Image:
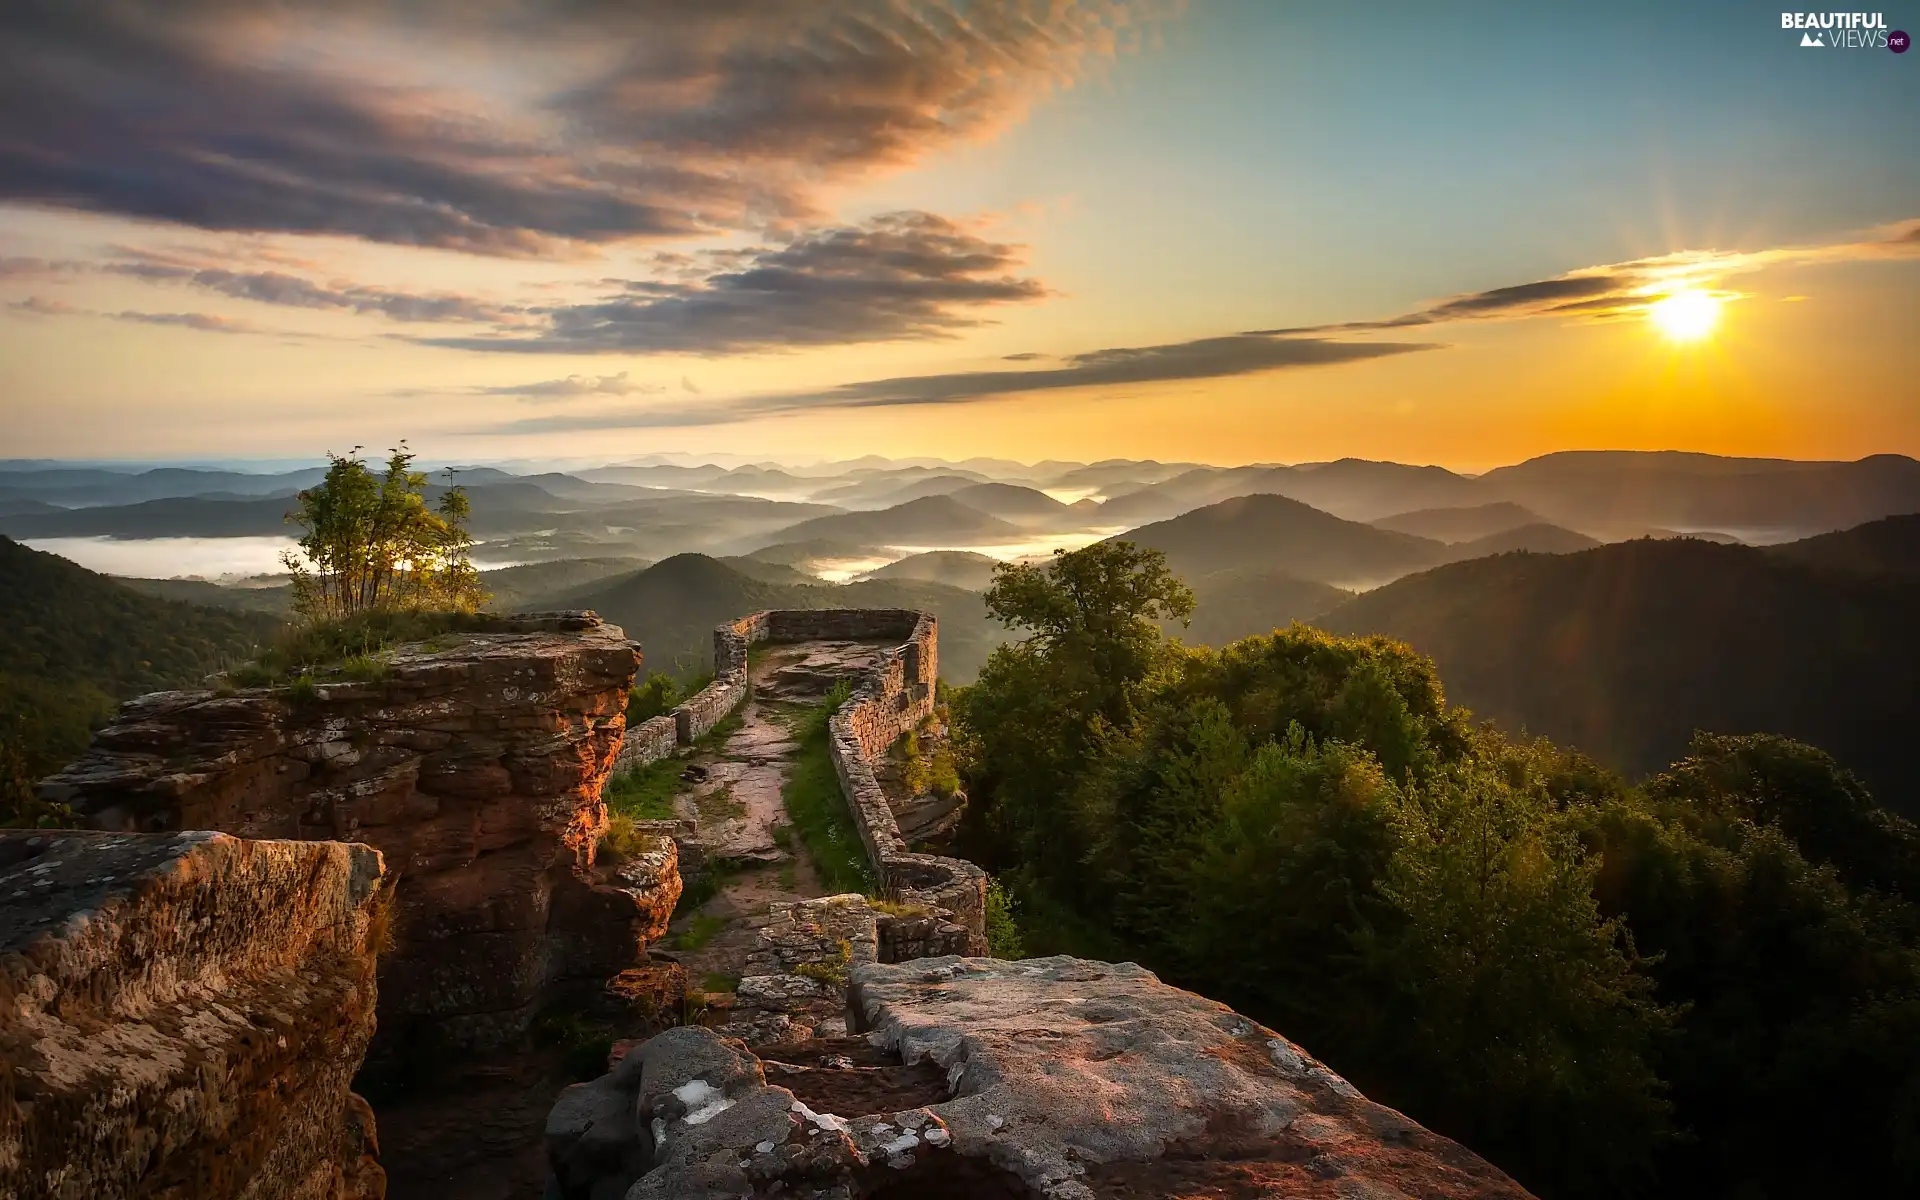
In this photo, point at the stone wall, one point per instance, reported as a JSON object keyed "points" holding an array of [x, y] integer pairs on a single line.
{"points": [[649, 741], [475, 765], [708, 707], [889, 700], [183, 1015]]}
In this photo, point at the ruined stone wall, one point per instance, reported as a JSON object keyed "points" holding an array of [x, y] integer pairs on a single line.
{"points": [[183, 1014], [886, 702], [647, 742], [475, 765]]}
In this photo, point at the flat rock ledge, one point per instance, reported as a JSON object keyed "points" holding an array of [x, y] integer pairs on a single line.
{"points": [[1063, 1078], [181, 1016]]}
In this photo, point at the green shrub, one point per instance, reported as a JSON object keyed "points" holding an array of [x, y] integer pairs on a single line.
{"points": [[1003, 931]]}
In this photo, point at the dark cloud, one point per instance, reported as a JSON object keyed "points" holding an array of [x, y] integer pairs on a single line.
{"points": [[1527, 298], [898, 276], [278, 287], [603, 121], [1205, 358]]}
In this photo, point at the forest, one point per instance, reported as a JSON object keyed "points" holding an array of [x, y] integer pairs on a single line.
{"points": [[1707, 984]]}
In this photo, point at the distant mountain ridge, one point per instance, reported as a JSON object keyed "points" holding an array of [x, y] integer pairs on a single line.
{"points": [[1275, 532], [1624, 650]]}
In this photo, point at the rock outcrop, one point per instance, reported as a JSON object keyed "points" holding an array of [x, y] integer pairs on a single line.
{"points": [[474, 762], [181, 1015], [1054, 1077]]}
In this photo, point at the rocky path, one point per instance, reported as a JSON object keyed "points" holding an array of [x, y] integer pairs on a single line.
{"points": [[477, 1134], [742, 830]]}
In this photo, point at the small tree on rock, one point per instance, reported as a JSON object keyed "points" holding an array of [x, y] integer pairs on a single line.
{"points": [[374, 544]]}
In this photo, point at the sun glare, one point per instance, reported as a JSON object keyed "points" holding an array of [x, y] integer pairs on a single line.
{"points": [[1686, 316]]}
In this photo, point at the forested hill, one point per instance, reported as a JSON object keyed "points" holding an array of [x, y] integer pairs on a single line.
{"points": [[1624, 650], [73, 644]]}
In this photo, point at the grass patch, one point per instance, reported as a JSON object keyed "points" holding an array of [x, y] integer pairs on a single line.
{"points": [[646, 792], [894, 908], [818, 809], [353, 647], [717, 982], [719, 804], [926, 761], [700, 929], [623, 840]]}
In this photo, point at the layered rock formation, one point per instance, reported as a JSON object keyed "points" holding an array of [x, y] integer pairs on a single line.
{"points": [[181, 1015], [1054, 1077], [474, 762]]}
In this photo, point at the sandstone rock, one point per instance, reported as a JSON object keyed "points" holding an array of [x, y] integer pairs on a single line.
{"points": [[1073, 1074], [475, 765], [1063, 1078], [181, 1015]]}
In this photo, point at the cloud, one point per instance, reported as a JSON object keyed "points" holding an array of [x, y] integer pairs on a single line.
{"points": [[43, 307], [1608, 292], [513, 127], [293, 291], [1626, 289], [1203, 358], [204, 322], [907, 275], [573, 386]]}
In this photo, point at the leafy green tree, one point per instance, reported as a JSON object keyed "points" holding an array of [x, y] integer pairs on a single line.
{"points": [[1284, 883], [1791, 986], [1827, 812], [373, 544], [1514, 1011], [1091, 614], [1150, 804], [1030, 724]]}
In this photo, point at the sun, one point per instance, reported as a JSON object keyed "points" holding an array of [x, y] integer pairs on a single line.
{"points": [[1686, 316]]}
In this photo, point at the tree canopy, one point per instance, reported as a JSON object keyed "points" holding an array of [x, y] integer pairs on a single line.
{"points": [[1608, 990]]}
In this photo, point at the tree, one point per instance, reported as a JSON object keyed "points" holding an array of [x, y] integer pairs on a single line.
{"points": [[1091, 613], [372, 543], [1029, 725]]}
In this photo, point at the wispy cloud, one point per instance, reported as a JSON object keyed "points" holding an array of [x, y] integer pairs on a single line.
{"points": [[204, 322], [907, 275], [1627, 289], [1204, 358], [597, 123], [573, 387]]}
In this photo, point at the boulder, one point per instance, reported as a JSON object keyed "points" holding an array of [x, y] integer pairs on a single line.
{"points": [[181, 1015]]}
